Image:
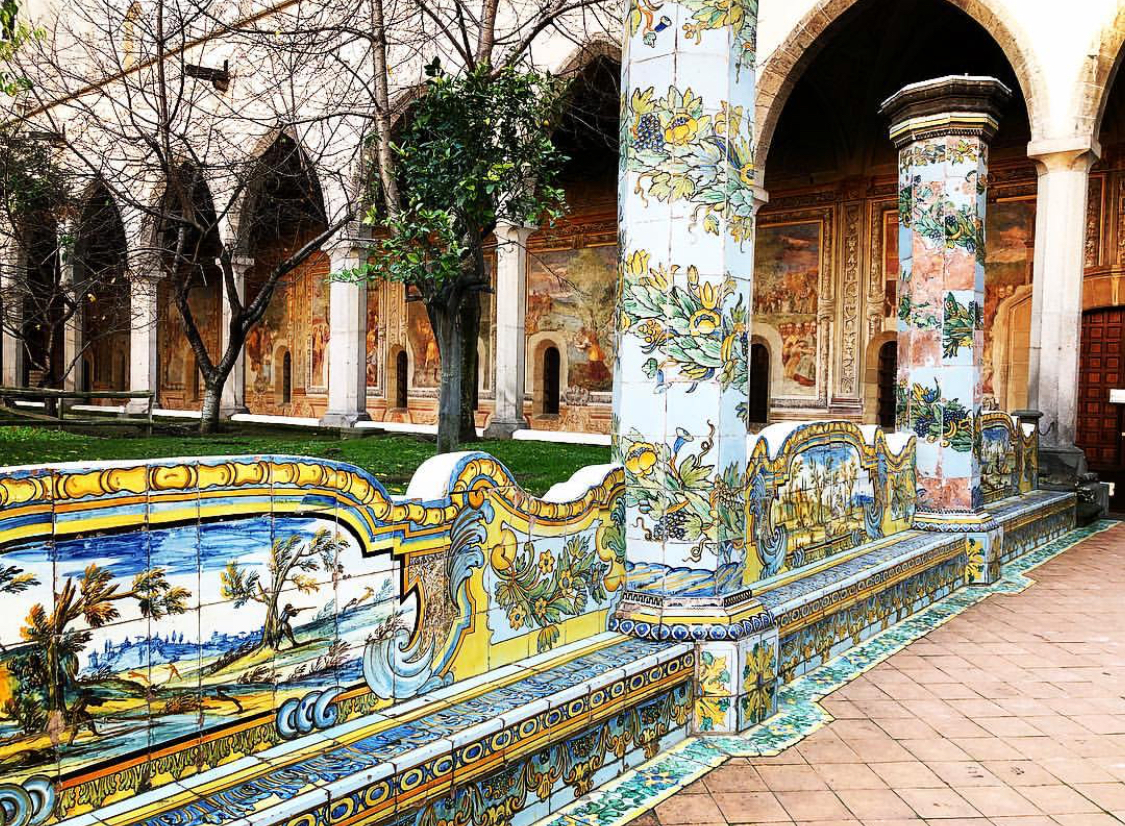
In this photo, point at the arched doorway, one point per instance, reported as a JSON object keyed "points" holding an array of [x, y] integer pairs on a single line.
{"points": [[552, 368], [200, 285], [286, 378], [759, 383], [402, 377], [1103, 369], [284, 209], [101, 276], [888, 370]]}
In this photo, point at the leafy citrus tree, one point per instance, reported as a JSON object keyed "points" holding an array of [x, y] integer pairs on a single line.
{"points": [[474, 149]]}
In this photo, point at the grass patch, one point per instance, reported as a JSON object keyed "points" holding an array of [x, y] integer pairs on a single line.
{"points": [[390, 458]]}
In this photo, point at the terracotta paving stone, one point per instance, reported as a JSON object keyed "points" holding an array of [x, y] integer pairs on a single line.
{"points": [[813, 805], [937, 803], [1010, 714]]}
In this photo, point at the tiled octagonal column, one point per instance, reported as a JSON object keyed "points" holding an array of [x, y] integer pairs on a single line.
{"points": [[687, 204], [941, 128]]}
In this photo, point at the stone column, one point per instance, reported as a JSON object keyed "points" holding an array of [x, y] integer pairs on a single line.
{"points": [[687, 203], [72, 332], [347, 345], [941, 128], [234, 391], [1056, 302], [143, 339], [12, 346], [511, 333]]}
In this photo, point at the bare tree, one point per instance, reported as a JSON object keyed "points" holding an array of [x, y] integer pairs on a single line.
{"points": [[415, 48], [213, 142]]}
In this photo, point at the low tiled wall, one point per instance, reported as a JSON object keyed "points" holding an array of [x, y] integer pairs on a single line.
{"points": [[167, 618]]}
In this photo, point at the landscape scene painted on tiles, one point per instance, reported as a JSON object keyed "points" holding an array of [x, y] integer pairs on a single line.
{"points": [[156, 636]]}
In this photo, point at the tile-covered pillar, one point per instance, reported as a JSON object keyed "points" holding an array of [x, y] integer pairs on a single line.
{"points": [[511, 332], [941, 129], [347, 344], [687, 202], [234, 390]]}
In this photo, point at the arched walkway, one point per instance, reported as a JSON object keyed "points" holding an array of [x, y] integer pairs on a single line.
{"points": [[785, 66]]}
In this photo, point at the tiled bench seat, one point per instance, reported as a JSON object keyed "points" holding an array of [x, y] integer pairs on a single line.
{"points": [[823, 612], [1033, 519], [524, 740]]}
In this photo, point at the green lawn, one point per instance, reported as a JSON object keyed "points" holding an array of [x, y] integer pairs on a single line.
{"points": [[392, 459]]}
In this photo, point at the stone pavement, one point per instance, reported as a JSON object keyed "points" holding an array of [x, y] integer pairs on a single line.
{"points": [[1012, 713]]}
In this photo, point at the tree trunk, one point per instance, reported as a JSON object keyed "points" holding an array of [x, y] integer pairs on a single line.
{"points": [[446, 320], [470, 332], [212, 403]]}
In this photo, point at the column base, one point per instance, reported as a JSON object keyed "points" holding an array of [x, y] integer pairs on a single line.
{"points": [[503, 429], [336, 419], [226, 412], [672, 618], [1061, 466], [984, 541], [135, 407]]}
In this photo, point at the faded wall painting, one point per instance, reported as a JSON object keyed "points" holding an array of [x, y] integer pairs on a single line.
{"points": [[425, 357], [293, 331], [787, 269], [1009, 253], [178, 378], [373, 330], [571, 294]]}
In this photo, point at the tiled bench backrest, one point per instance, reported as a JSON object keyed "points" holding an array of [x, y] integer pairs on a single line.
{"points": [[816, 489], [164, 618]]}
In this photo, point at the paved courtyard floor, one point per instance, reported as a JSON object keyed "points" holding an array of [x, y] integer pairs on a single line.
{"points": [[1012, 713]]}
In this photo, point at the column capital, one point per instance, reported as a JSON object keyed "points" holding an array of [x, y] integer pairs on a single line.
{"points": [[510, 231], [952, 105], [1064, 154], [241, 263]]}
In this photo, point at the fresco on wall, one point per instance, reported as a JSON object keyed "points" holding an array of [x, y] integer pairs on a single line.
{"points": [[178, 384], [571, 293], [296, 322], [1009, 253], [373, 330], [786, 283], [425, 357]]}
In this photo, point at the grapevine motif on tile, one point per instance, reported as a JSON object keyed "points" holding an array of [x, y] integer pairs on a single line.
{"points": [[681, 498], [937, 419], [680, 152], [962, 322]]}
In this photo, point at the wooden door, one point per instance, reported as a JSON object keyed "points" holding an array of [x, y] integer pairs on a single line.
{"points": [[1099, 426]]}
